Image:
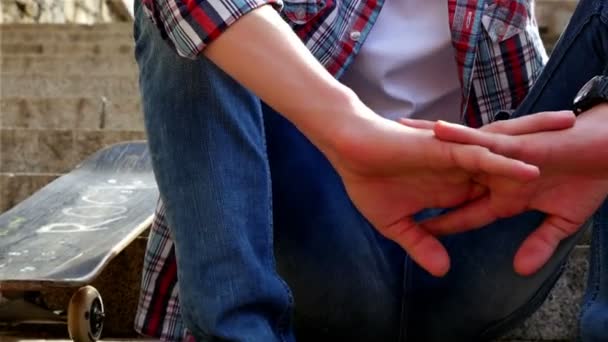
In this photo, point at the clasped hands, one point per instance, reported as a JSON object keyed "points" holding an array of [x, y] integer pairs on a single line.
{"points": [[498, 171]]}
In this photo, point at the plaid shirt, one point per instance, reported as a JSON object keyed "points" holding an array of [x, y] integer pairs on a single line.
{"points": [[497, 48]]}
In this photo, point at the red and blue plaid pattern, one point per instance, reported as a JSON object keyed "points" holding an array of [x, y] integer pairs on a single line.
{"points": [[190, 25], [496, 42], [158, 312], [497, 48]]}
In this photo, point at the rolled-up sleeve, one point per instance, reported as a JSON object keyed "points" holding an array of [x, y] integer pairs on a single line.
{"points": [[190, 25]]}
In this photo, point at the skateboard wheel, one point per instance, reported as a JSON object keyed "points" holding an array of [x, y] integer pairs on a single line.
{"points": [[85, 315]]}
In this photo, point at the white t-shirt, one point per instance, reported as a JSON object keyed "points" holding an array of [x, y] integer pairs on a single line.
{"points": [[406, 66]]}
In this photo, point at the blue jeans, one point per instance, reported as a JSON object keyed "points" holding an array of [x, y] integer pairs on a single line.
{"points": [[270, 248]]}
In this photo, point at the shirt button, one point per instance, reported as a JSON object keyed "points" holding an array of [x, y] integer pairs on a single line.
{"points": [[355, 35], [501, 29], [300, 14]]}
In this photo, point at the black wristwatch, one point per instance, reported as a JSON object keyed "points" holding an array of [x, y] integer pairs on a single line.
{"points": [[592, 93]]}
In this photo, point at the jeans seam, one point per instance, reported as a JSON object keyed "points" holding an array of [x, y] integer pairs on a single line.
{"points": [[601, 10], [597, 269], [282, 326], [407, 265], [593, 285]]}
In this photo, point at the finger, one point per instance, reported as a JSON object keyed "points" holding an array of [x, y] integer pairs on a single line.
{"points": [[477, 159], [471, 216], [539, 246], [465, 135], [476, 192], [540, 122], [422, 247], [415, 123]]}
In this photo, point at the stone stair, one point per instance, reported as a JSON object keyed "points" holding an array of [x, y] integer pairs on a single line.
{"points": [[67, 91], [552, 17]]}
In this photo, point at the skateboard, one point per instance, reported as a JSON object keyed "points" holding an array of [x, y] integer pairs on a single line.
{"points": [[66, 233]]}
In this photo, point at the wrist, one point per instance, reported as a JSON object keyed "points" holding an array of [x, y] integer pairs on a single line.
{"points": [[582, 149], [334, 120], [597, 110]]}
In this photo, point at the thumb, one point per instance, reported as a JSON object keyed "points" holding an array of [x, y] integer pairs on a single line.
{"points": [[539, 246], [424, 248]]}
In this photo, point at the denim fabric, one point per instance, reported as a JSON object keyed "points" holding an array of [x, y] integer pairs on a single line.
{"points": [[242, 187], [207, 143], [582, 52]]}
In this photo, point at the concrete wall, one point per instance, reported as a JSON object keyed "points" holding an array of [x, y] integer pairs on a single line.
{"points": [[65, 91], [552, 17], [64, 11]]}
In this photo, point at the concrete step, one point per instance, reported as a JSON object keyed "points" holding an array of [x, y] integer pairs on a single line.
{"points": [[90, 113], [14, 188], [53, 150], [553, 15], [74, 34], [46, 28], [72, 49], [37, 86], [93, 65]]}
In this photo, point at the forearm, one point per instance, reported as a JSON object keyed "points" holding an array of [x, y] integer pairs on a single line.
{"points": [[262, 53]]}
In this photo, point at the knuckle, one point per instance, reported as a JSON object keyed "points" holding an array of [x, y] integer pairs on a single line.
{"points": [[396, 230]]}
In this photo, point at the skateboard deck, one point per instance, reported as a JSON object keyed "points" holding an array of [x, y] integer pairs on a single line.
{"points": [[68, 231]]}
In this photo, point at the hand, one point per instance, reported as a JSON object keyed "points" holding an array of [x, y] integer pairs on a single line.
{"points": [[381, 163], [392, 172], [567, 197]]}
